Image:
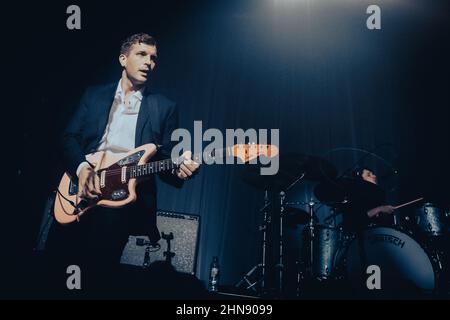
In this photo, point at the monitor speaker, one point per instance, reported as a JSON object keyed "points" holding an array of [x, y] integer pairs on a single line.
{"points": [[178, 244]]}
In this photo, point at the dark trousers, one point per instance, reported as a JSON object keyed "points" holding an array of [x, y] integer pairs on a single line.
{"points": [[95, 244]]}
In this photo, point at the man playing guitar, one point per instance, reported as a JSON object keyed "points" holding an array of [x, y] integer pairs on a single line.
{"points": [[115, 119]]}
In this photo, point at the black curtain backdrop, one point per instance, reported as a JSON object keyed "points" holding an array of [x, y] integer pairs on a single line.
{"points": [[309, 68]]}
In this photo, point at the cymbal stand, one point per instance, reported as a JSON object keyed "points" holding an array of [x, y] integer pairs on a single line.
{"points": [[280, 264], [311, 205], [263, 229], [249, 283]]}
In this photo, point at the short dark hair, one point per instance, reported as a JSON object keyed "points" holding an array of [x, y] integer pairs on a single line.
{"points": [[136, 38], [360, 170]]}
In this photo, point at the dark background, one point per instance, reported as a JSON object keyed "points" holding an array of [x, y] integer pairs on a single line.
{"points": [[310, 68]]}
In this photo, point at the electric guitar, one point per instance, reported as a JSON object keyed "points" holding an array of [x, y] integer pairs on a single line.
{"points": [[120, 174]]}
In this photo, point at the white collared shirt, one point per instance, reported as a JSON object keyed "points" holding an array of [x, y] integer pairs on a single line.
{"points": [[120, 131]]}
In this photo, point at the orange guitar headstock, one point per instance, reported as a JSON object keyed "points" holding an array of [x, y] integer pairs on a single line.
{"points": [[248, 152]]}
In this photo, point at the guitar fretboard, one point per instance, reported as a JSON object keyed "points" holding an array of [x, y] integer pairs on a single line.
{"points": [[170, 164]]}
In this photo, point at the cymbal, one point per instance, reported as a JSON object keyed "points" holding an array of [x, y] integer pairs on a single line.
{"points": [[291, 167], [315, 168], [339, 190]]}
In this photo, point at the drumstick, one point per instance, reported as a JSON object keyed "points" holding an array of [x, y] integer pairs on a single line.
{"points": [[408, 203]]}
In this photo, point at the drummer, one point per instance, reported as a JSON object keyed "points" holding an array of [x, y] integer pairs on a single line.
{"points": [[369, 176], [367, 207]]}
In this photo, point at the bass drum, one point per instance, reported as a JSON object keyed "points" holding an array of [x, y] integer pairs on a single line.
{"points": [[404, 265]]}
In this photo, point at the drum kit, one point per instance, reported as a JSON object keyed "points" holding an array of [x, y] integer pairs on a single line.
{"points": [[410, 249]]}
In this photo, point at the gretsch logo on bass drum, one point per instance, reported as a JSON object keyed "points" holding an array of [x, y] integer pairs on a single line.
{"points": [[386, 238]]}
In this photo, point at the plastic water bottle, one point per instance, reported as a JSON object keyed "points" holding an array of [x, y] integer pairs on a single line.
{"points": [[213, 285]]}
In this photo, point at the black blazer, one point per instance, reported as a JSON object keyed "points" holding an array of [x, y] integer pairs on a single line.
{"points": [[157, 118]]}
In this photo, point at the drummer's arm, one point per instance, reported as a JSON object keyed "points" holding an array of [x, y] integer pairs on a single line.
{"points": [[375, 212]]}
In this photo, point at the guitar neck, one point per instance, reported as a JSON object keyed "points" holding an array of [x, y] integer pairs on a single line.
{"points": [[170, 164]]}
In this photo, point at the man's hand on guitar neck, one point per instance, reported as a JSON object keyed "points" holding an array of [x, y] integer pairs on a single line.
{"points": [[88, 183], [188, 167]]}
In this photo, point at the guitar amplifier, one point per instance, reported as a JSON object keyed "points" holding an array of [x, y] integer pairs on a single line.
{"points": [[179, 233]]}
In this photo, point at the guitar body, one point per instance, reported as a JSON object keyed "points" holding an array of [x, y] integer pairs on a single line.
{"points": [[117, 190]]}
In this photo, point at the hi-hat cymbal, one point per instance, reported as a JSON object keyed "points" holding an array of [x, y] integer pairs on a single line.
{"points": [[342, 189], [292, 166]]}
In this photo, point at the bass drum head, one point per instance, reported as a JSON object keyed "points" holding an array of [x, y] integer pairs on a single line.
{"points": [[404, 265]]}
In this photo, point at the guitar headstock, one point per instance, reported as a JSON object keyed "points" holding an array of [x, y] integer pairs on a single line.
{"points": [[248, 152]]}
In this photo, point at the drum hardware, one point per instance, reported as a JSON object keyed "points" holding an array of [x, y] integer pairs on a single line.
{"points": [[332, 254], [280, 265], [261, 277], [294, 167], [301, 272], [321, 243], [311, 205], [263, 228]]}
